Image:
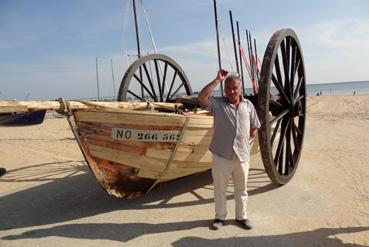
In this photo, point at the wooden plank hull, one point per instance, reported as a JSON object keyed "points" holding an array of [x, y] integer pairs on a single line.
{"points": [[166, 146]]}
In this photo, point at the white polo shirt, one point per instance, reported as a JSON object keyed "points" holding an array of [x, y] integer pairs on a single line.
{"points": [[232, 127]]}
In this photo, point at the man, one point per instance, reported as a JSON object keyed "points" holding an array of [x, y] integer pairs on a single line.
{"points": [[2, 171], [235, 122]]}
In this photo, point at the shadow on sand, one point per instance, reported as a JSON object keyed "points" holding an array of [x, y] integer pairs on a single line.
{"points": [[128, 231], [79, 196]]}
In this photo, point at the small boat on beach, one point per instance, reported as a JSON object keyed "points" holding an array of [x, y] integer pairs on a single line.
{"points": [[130, 151], [22, 118]]}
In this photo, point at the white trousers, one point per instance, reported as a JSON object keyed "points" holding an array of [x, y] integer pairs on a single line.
{"points": [[222, 169]]}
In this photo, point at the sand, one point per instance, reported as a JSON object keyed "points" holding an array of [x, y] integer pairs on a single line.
{"points": [[49, 197]]}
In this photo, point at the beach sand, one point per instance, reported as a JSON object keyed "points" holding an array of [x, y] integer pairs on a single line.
{"points": [[50, 198]]}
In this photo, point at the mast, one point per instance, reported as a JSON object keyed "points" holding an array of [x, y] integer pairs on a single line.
{"points": [[138, 43], [112, 75], [97, 81], [136, 28], [239, 55], [234, 42], [257, 62], [249, 44], [218, 46]]}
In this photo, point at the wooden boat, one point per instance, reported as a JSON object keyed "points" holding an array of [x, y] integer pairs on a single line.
{"points": [[131, 151], [22, 118]]}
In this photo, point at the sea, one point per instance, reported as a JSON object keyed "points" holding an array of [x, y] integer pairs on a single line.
{"points": [[336, 88]]}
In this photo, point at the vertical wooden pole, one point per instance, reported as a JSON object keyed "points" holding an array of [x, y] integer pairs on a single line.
{"points": [[138, 43], [97, 81], [234, 42], [218, 46], [239, 55], [112, 75]]}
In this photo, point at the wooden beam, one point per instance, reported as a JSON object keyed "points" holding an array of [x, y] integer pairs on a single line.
{"points": [[21, 106]]}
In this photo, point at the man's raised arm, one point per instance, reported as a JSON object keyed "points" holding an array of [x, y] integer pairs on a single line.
{"points": [[205, 93]]}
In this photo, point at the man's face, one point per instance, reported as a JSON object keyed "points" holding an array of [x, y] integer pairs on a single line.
{"points": [[232, 90]]}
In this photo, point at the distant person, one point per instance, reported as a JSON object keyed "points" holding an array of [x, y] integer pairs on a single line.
{"points": [[2, 171], [235, 123], [353, 94]]}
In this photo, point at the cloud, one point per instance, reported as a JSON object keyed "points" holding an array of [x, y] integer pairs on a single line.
{"points": [[50, 79], [334, 51], [337, 50], [341, 37]]}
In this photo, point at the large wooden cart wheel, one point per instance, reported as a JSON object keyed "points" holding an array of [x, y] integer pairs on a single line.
{"points": [[282, 104], [154, 77]]}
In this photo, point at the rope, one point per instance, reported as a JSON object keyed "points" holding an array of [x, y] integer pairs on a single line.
{"points": [[64, 107], [173, 153], [152, 39], [227, 52], [148, 26]]}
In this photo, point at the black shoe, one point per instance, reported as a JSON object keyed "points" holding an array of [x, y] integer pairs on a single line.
{"points": [[2, 171], [245, 224], [216, 224]]}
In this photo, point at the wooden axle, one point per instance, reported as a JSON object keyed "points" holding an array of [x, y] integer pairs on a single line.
{"points": [[60, 105]]}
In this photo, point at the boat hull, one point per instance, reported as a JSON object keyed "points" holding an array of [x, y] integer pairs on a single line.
{"points": [[129, 152], [22, 118]]}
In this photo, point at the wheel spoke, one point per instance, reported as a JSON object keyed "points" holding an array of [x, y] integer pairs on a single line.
{"points": [[142, 88], [150, 81], [288, 162], [281, 142], [294, 136], [298, 87], [143, 85], [164, 77], [276, 104], [279, 117], [158, 78], [299, 98], [280, 159], [299, 133], [293, 66], [171, 85], [294, 76], [275, 131], [285, 49], [177, 90], [278, 72], [280, 89], [138, 97]]}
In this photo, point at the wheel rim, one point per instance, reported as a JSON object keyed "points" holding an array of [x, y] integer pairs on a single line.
{"points": [[282, 106], [154, 77]]}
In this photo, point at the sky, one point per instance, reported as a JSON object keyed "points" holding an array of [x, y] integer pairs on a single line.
{"points": [[48, 48]]}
